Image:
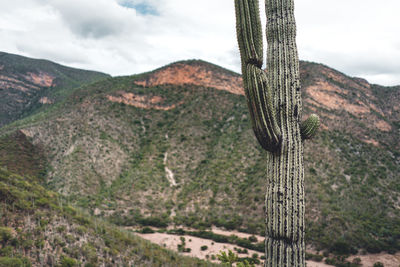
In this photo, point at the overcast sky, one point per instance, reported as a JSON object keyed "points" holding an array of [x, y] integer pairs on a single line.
{"points": [[358, 37]]}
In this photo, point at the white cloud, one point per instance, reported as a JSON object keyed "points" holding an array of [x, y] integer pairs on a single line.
{"points": [[95, 19], [358, 37]]}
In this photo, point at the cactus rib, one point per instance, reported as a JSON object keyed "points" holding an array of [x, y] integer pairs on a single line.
{"points": [[310, 126], [275, 107]]}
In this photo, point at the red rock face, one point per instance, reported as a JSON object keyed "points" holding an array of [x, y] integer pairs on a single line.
{"points": [[327, 95], [42, 79], [346, 104], [325, 91], [45, 100], [330, 96], [18, 90], [14, 83], [145, 102], [180, 74], [26, 83]]}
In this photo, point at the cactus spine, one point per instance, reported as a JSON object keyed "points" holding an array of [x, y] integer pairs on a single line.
{"points": [[274, 102]]}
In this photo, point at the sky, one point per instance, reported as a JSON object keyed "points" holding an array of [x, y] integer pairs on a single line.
{"points": [[121, 37]]}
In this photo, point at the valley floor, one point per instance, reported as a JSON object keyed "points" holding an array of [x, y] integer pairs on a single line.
{"points": [[195, 244]]}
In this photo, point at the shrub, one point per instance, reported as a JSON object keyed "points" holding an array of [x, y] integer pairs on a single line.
{"points": [[10, 262], [357, 261], [253, 239], [203, 248], [378, 264], [61, 229], [249, 261], [318, 257], [147, 230], [68, 262], [314, 257], [341, 247], [154, 221], [5, 235], [330, 261], [7, 251]]}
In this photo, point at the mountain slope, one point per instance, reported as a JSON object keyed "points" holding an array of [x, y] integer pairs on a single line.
{"points": [[37, 227], [152, 149], [27, 84]]}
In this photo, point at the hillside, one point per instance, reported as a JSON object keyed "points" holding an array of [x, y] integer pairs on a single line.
{"points": [[28, 84], [151, 149], [37, 227]]}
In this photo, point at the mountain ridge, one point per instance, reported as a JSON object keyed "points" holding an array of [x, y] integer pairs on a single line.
{"points": [[196, 72], [109, 145], [321, 94], [27, 84]]}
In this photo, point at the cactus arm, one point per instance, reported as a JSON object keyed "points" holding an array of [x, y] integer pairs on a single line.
{"points": [[309, 127], [258, 93]]}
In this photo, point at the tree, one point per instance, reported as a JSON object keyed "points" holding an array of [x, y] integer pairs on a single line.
{"points": [[274, 102]]}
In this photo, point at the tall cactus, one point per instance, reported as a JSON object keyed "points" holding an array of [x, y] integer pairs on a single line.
{"points": [[274, 102]]}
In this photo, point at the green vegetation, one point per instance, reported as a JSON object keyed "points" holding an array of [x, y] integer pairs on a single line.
{"points": [[230, 258], [68, 262], [340, 261], [16, 103], [182, 246], [32, 216], [108, 158], [314, 257], [232, 239], [362, 199], [14, 262], [21, 156]]}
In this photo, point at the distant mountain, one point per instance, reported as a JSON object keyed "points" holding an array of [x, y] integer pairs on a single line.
{"points": [[175, 146], [28, 84]]}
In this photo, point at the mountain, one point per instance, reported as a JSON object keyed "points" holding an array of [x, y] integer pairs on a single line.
{"points": [[175, 146], [28, 84], [38, 228]]}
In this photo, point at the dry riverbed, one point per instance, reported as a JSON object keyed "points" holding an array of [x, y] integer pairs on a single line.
{"points": [[208, 249], [213, 248]]}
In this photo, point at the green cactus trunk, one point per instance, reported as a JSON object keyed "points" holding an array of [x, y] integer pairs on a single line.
{"points": [[274, 102]]}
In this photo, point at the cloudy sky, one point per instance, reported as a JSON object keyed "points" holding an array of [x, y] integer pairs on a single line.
{"points": [[358, 37]]}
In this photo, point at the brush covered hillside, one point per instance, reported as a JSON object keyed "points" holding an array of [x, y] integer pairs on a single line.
{"points": [[37, 227], [175, 147], [27, 84]]}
